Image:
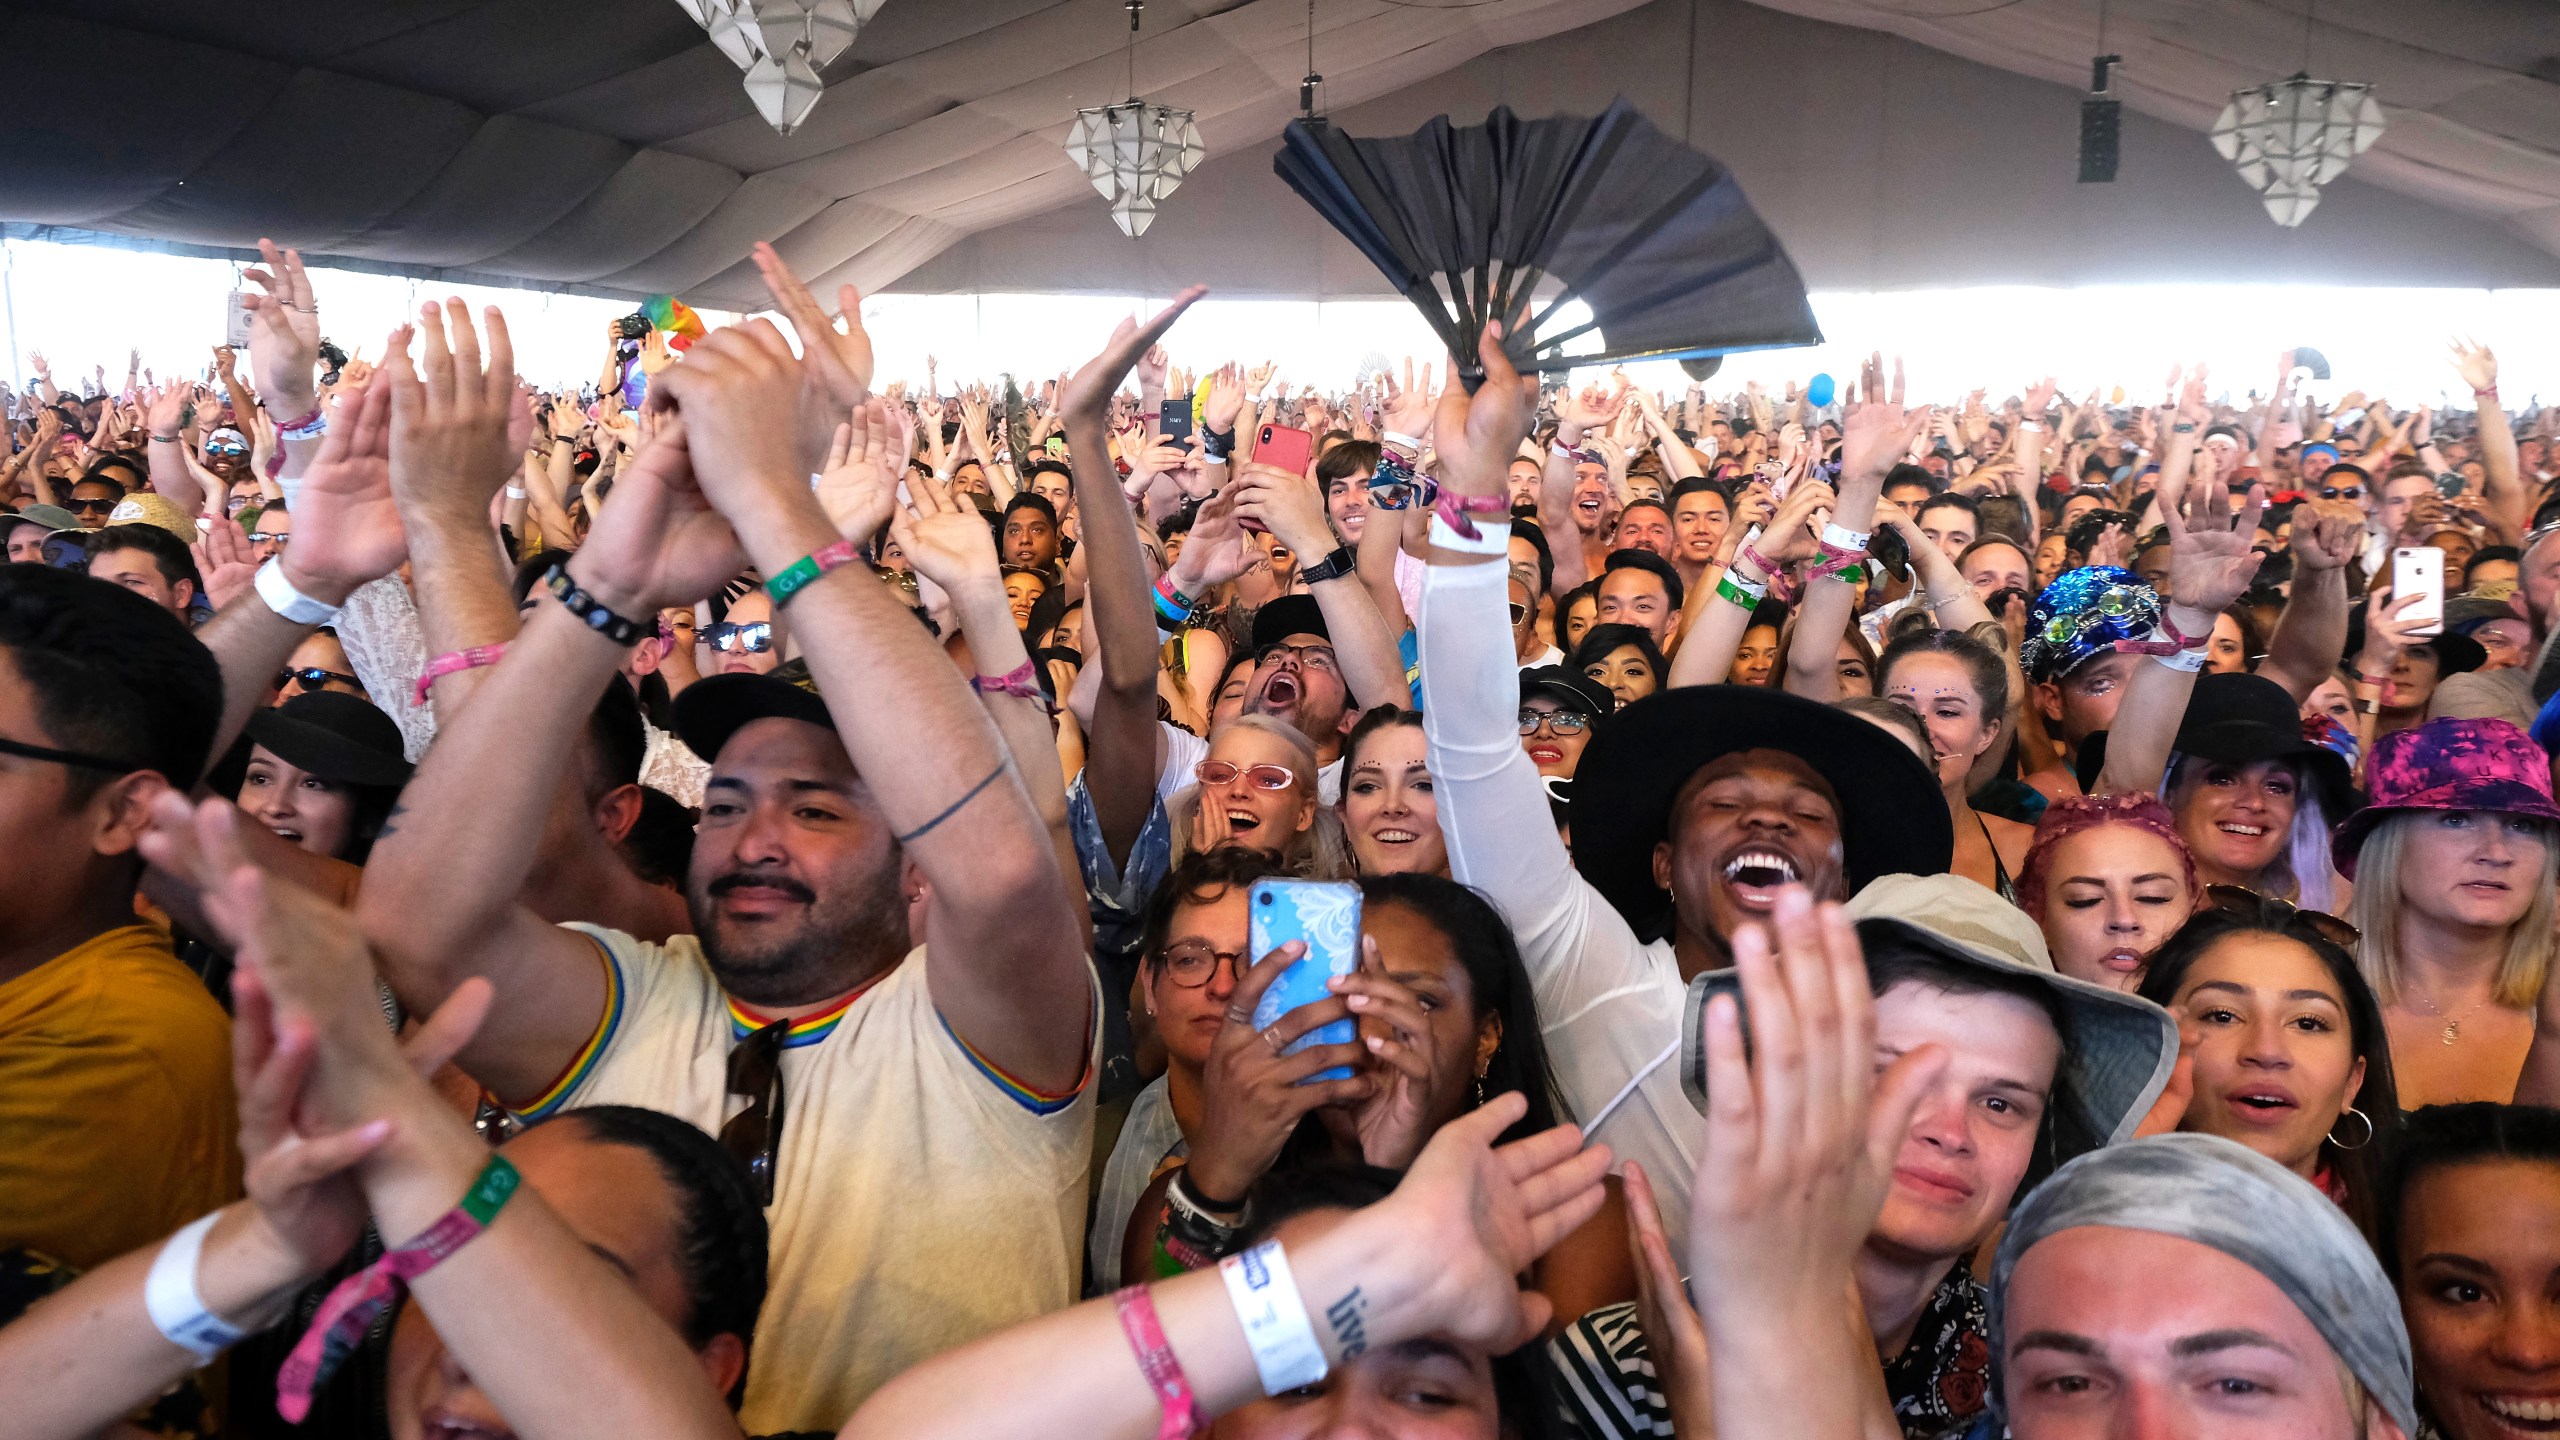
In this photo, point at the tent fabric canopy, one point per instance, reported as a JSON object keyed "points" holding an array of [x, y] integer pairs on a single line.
{"points": [[607, 146]]}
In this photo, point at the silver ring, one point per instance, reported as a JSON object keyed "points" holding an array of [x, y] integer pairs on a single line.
{"points": [[1271, 1037]]}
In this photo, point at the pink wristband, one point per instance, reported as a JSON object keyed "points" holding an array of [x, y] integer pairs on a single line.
{"points": [[1156, 1358], [454, 663], [1022, 683]]}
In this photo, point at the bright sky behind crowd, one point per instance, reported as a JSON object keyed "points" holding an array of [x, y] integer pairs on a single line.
{"points": [[83, 306]]}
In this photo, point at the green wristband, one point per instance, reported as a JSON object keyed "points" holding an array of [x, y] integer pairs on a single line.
{"points": [[1728, 588]]}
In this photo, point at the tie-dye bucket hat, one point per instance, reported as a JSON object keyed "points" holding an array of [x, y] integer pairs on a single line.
{"points": [[2450, 765], [2084, 612]]}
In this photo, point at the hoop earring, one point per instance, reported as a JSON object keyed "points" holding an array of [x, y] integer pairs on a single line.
{"points": [[2368, 1131]]}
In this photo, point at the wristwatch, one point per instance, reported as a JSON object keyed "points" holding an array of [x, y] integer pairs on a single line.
{"points": [[1342, 562]]}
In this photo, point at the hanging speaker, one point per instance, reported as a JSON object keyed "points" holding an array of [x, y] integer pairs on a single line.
{"points": [[2099, 120]]}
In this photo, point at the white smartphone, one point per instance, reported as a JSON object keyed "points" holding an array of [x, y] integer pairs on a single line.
{"points": [[235, 321], [2419, 571]]}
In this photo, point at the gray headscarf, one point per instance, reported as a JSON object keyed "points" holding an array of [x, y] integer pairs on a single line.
{"points": [[2220, 1193]]}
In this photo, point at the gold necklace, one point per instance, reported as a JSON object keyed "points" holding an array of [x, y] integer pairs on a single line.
{"points": [[2453, 1026]]}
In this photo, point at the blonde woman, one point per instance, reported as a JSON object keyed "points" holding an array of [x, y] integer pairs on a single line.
{"points": [[2454, 864], [1257, 788]]}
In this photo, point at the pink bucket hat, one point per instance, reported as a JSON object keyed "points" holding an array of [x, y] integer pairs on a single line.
{"points": [[2450, 765]]}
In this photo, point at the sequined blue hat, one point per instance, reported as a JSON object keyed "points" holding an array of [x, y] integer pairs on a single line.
{"points": [[2083, 613]]}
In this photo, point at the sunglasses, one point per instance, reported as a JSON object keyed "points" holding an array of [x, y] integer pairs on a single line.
{"points": [[271, 537], [312, 677], [755, 637], [1560, 722], [2244, 903], [225, 447], [2341, 492], [92, 506], [754, 1134], [1192, 966], [1519, 612], [1261, 777]]}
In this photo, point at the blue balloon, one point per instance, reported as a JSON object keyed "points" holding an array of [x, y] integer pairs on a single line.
{"points": [[1818, 391]]}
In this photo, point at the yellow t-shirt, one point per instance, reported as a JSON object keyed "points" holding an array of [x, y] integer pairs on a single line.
{"points": [[117, 1122]]}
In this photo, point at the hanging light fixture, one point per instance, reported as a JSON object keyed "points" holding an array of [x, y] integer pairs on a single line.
{"points": [[2290, 137], [781, 45], [1133, 152]]}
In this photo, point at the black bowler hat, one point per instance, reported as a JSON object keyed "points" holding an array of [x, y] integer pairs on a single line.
{"points": [[339, 738]]}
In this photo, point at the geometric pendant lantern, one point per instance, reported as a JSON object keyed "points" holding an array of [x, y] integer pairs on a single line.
{"points": [[781, 45], [2289, 138]]}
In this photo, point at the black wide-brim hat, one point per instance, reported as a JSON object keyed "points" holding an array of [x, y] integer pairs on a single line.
{"points": [[712, 709], [339, 738], [2241, 719], [1893, 818]]}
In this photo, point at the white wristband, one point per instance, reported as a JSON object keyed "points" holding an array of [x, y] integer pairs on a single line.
{"points": [[2189, 661], [1493, 537], [1274, 1317], [515, 492], [1845, 538], [169, 1294], [1406, 441], [2030, 425], [288, 602]]}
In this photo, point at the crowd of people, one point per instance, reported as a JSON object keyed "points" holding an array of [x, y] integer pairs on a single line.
{"points": [[722, 900]]}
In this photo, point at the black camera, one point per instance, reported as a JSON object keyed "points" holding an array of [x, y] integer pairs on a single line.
{"points": [[635, 326]]}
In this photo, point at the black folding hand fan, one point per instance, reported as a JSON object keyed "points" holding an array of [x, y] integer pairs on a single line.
{"points": [[1513, 219]]}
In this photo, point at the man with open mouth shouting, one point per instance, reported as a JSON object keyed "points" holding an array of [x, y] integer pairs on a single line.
{"points": [[1691, 809]]}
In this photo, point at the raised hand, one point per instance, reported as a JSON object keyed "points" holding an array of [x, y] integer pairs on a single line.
{"points": [[1875, 429], [2039, 399], [1251, 1094], [346, 525], [1286, 504], [2192, 409], [858, 487], [1259, 378], [225, 561], [947, 541], [451, 413], [1226, 400], [167, 410], [2478, 365], [284, 332], [1409, 406], [2210, 559], [1474, 436], [1403, 1051], [1795, 532], [836, 362], [1219, 549], [1802, 1126], [1086, 396], [740, 392], [660, 542], [1153, 366], [2388, 634]]}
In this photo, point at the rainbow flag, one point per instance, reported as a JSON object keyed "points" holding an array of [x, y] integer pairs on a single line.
{"points": [[676, 319]]}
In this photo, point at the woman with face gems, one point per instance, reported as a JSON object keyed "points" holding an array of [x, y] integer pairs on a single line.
{"points": [[1959, 687], [2109, 881], [2455, 861], [1388, 813], [2290, 1057]]}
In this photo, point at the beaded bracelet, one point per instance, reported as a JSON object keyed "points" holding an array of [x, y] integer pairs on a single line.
{"points": [[620, 629]]}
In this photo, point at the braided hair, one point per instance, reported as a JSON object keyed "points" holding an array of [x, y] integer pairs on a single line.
{"points": [[720, 1235]]}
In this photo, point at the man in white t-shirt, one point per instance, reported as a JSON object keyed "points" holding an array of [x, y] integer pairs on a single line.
{"points": [[921, 1120]]}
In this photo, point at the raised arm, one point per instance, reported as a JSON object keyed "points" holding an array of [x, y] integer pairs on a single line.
{"points": [[2509, 498], [2210, 564], [1007, 970], [1292, 509], [1436, 1258], [2311, 633], [1120, 604]]}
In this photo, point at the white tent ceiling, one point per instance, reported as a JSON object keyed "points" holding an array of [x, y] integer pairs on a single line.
{"points": [[606, 145]]}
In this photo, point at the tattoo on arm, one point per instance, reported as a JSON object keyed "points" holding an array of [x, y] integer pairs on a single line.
{"points": [[1346, 1316]]}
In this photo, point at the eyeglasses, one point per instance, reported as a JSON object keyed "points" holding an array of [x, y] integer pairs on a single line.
{"points": [[67, 757], [754, 1134], [1260, 777], [1192, 966], [1559, 722], [2248, 904], [1314, 657], [275, 538], [755, 637], [313, 677]]}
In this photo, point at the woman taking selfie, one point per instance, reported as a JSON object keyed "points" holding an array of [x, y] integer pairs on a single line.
{"points": [[2455, 862]]}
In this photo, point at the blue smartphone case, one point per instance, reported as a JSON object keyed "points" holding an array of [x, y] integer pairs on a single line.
{"points": [[1324, 914]]}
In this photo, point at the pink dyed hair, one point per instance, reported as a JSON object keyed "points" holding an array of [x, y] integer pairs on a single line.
{"points": [[2065, 818]]}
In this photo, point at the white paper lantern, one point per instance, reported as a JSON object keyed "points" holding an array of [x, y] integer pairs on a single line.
{"points": [[2289, 138], [1135, 154], [780, 45]]}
